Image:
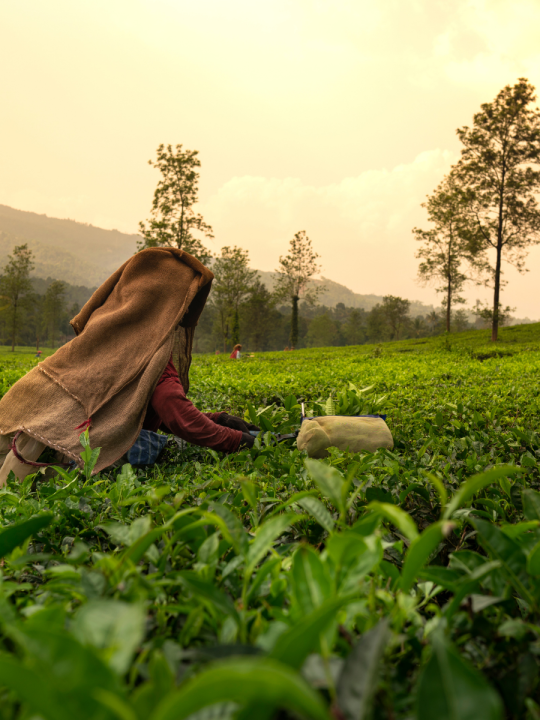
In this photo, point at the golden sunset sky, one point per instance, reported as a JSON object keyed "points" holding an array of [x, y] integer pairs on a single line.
{"points": [[332, 116]]}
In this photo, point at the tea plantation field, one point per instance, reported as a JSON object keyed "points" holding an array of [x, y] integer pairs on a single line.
{"points": [[395, 585]]}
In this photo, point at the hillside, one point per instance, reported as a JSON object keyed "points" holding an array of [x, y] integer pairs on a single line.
{"points": [[85, 255], [64, 249], [336, 293]]}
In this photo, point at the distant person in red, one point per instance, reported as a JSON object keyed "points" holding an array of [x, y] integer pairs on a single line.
{"points": [[235, 355]]}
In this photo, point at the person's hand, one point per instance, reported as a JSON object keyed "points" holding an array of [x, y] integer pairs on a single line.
{"points": [[246, 441], [235, 423]]}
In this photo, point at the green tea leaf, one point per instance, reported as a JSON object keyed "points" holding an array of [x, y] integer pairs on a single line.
{"points": [[533, 560], [450, 688], [113, 626], [512, 558], [419, 551], [439, 487], [208, 591], [16, 534], [266, 536], [328, 480], [261, 683], [398, 517], [475, 484], [358, 680], [310, 582], [531, 504], [317, 510], [230, 526], [294, 645]]}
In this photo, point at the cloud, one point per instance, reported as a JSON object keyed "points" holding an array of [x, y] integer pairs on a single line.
{"points": [[361, 226]]}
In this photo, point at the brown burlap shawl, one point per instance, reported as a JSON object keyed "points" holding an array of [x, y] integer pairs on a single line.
{"points": [[125, 335]]}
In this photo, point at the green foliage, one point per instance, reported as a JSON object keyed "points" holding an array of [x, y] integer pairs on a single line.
{"points": [[401, 584], [448, 253], [15, 289], [499, 172], [295, 271], [54, 307], [232, 285], [173, 219]]}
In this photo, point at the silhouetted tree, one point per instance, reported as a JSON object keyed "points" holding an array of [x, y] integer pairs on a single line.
{"points": [[396, 313], [353, 329], [173, 219], [16, 288], [232, 285], [460, 321], [295, 271], [447, 247], [259, 317], [54, 307], [499, 169]]}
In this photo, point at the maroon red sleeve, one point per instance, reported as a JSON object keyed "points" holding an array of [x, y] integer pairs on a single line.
{"points": [[170, 407]]}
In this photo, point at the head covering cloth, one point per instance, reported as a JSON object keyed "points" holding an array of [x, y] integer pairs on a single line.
{"points": [[125, 335]]}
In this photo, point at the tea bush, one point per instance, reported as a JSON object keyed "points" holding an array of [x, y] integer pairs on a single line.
{"points": [[399, 584]]}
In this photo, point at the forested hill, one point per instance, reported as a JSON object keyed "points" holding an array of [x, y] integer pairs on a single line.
{"points": [[85, 255], [77, 253]]}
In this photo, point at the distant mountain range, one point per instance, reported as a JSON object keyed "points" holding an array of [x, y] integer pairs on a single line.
{"points": [[66, 250], [85, 255], [336, 293]]}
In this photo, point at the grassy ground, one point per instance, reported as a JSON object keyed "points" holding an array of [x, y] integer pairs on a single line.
{"points": [[21, 352], [405, 581]]}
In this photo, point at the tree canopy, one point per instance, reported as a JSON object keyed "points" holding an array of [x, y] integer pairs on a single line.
{"points": [[173, 221], [232, 285], [294, 273], [499, 171], [449, 256], [16, 288]]}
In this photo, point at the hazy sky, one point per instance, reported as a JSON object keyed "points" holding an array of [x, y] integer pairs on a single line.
{"points": [[332, 116]]}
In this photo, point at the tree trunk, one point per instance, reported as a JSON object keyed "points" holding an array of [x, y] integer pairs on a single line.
{"points": [[236, 328], [448, 306], [497, 289], [14, 325], [225, 336], [294, 322], [496, 296]]}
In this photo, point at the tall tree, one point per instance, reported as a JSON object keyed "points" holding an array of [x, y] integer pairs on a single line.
{"points": [[259, 317], [499, 169], [396, 313], [434, 322], [173, 220], [354, 331], [15, 285], [54, 307], [377, 325], [419, 326], [232, 285], [448, 246], [295, 271]]}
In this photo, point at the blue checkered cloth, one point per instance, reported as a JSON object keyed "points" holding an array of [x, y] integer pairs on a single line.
{"points": [[146, 449]]}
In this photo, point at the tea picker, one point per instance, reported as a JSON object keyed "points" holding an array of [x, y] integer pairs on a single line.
{"points": [[126, 371]]}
